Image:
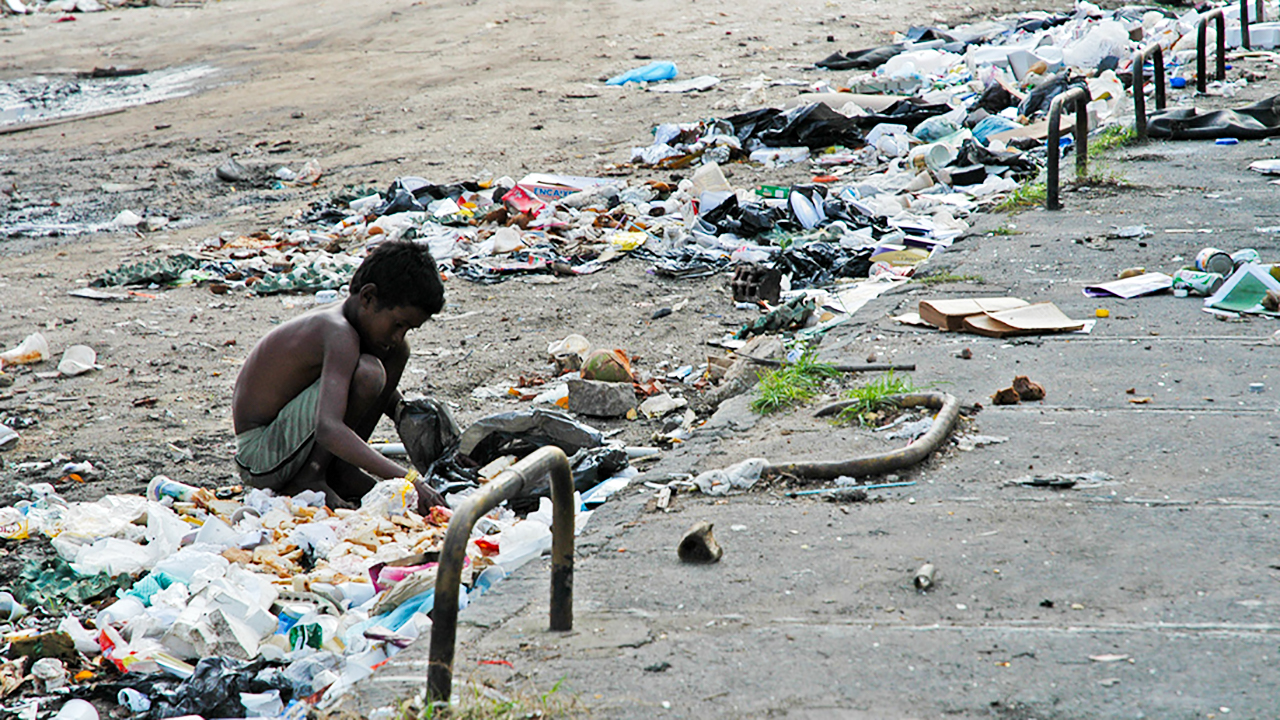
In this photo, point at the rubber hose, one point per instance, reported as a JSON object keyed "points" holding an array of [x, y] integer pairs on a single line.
{"points": [[948, 409]]}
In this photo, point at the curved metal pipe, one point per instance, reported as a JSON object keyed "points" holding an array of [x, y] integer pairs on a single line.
{"points": [[1053, 148], [1201, 28], [548, 460], [948, 408], [1139, 80], [1244, 21]]}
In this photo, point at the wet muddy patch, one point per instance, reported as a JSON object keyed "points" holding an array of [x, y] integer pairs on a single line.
{"points": [[45, 99]]}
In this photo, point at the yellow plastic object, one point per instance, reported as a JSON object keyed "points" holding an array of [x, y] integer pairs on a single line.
{"points": [[1102, 312], [628, 241]]}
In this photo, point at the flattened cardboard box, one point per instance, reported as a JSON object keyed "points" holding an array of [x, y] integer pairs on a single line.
{"points": [[949, 315], [1030, 320]]}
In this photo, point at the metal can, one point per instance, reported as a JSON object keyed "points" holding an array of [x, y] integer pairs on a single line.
{"points": [[1213, 260], [1197, 282], [1245, 255]]}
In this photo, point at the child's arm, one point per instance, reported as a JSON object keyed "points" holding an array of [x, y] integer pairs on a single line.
{"points": [[332, 432]]}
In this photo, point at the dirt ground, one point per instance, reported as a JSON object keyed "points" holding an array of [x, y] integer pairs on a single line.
{"points": [[371, 92]]}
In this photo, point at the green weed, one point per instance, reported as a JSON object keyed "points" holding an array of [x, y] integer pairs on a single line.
{"points": [[1027, 195], [479, 702], [946, 277], [1111, 138], [872, 398], [791, 384], [1005, 230]]}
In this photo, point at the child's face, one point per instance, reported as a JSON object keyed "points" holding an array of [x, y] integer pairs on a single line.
{"points": [[383, 328]]}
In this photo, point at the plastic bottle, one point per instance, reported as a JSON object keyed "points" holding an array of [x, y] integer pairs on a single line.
{"points": [[10, 608], [77, 710], [161, 487], [117, 612], [134, 700]]}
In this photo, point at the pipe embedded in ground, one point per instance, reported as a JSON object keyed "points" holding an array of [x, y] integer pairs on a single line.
{"points": [[948, 410], [444, 630]]}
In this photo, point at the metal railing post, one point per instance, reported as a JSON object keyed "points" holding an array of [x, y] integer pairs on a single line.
{"points": [[1244, 20], [1053, 149], [1201, 65], [548, 460], [1139, 82]]}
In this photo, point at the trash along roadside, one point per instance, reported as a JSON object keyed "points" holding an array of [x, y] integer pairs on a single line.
{"points": [[230, 604]]}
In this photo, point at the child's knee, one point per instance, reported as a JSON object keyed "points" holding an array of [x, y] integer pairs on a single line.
{"points": [[369, 378]]}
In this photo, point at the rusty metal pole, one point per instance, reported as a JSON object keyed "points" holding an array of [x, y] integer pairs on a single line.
{"points": [[1244, 24], [444, 629], [1202, 69], [1139, 83], [1053, 149]]}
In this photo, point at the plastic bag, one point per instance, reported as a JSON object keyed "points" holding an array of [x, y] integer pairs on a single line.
{"points": [[390, 497], [740, 476], [653, 72], [427, 430]]}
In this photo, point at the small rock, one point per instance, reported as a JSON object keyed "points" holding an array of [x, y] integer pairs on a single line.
{"points": [[965, 354], [601, 399], [1006, 396], [699, 545], [658, 667], [846, 495], [127, 218], [232, 172], [1028, 390], [661, 404]]}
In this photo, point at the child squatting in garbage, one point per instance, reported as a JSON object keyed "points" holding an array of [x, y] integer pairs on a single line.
{"points": [[313, 389]]}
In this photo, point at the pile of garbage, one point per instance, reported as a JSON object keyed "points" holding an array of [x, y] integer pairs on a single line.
{"points": [[64, 7], [188, 601]]}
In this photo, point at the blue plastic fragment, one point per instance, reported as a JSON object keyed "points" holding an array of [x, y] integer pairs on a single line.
{"points": [[653, 72]]}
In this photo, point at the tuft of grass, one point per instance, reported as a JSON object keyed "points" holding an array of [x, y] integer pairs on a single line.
{"points": [[791, 384], [1005, 230], [479, 702], [871, 397], [1111, 138], [946, 277], [1027, 195]]}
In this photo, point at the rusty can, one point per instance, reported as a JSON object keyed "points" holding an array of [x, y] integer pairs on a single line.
{"points": [[1244, 256], [1197, 282], [1213, 260]]}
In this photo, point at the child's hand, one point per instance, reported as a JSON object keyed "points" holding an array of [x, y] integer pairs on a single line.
{"points": [[427, 498]]}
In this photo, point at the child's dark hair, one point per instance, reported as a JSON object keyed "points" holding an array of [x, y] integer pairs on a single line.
{"points": [[404, 273]]}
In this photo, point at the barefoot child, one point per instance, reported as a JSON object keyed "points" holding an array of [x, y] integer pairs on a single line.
{"points": [[313, 389]]}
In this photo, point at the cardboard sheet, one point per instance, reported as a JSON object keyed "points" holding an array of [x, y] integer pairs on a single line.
{"points": [[1030, 320], [1244, 290], [949, 314]]}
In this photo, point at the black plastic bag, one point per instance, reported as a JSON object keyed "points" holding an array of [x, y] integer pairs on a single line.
{"points": [[814, 126], [868, 59], [818, 264], [428, 432], [1259, 120], [212, 691], [742, 220]]}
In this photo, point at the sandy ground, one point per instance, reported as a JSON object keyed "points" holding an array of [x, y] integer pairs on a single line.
{"points": [[372, 92]]}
